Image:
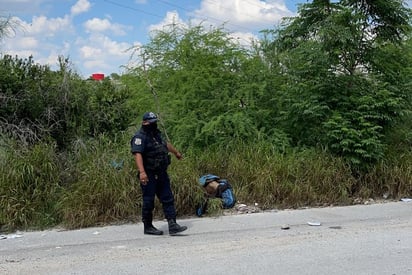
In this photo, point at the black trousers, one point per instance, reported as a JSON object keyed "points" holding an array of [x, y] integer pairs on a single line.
{"points": [[158, 185]]}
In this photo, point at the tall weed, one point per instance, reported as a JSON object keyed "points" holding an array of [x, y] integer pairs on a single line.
{"points": [[104, 189], [391, 178], [95, 181], [261, 174], [29, 187]]}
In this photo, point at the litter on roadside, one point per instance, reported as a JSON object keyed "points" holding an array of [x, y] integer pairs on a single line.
{"points": [[314, 223], [335, 227], [406, 199], [13, 236]]}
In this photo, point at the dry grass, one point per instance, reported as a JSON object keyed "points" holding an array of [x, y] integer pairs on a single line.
{"points": [[40, 188]]}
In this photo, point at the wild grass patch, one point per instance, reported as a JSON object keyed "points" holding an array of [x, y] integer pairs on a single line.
{"points": [[96, 182]]}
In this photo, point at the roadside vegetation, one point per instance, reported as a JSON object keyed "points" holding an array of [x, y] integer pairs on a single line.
{"points": [[317, 112]]}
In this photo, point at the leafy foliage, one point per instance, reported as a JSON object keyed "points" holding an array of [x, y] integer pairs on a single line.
{"points": [[25, 113], [205, 95], [337, 94], [37, 103], [108, 109]]}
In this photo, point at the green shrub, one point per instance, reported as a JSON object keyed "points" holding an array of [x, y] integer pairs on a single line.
{"points": [[29, 187], [95, 182], [104, 189]]}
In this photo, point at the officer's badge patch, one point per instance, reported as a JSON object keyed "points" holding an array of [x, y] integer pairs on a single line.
{"points": [[138, 141]]}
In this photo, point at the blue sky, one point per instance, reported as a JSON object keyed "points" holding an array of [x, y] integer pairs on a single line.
{"points": [[96, 34]]}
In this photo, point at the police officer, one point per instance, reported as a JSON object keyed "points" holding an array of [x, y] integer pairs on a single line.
{"points": [[151, 154]]}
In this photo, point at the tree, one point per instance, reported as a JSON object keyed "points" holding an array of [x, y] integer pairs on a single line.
{"points": [[347, 83], [201, 90], [8, 26], [38, 104], [24, 113], [108, 111]]}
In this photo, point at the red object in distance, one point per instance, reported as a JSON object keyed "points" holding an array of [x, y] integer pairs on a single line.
{"points": [[98, 76]]}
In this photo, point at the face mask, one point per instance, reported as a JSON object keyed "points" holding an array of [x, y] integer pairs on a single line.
{"points": [[150, 127]]}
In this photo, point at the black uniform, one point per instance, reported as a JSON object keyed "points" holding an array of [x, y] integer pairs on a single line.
{"points": [[156, 159]]}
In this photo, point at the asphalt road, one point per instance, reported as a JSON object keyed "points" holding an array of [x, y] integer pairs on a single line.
{"points": [[361, 239]]}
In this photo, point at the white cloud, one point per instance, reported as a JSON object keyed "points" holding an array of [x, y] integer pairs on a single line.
{"points": [[102, 25], [243, 38], [171, 18], [26, 43], [33, 38], [96, 65], [109, 46], [52, 59], [100, 52], [90, 52], [240, 17], [97, 25], [81, 6], [48, 26], [93, 49], [243, 15]]}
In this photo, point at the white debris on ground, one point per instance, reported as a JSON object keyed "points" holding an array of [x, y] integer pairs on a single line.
{"points": [[11, 236], [314, 223], [241, 208], [406, 199]]}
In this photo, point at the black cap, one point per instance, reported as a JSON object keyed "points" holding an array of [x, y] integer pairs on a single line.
{"points": [[150, 117]]}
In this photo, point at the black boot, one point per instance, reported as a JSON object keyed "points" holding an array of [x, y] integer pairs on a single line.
{"points": [[174, 228], [151, 230]]}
